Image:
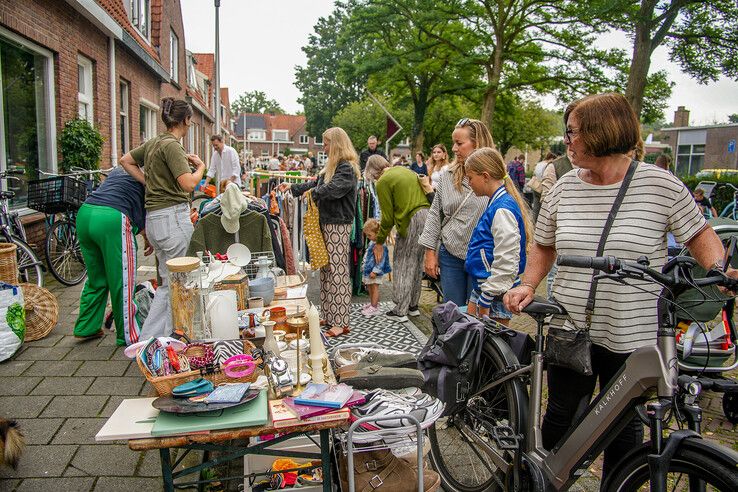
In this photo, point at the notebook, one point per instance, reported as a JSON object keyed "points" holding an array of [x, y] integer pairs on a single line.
{"points": [[253, 413]]}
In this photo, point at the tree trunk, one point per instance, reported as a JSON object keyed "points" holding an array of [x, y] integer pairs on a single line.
{"points": [[488, 106], [420, 107], [639, 66]]}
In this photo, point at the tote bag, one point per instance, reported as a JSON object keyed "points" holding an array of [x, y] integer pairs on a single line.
{"points": [[314, 236]]}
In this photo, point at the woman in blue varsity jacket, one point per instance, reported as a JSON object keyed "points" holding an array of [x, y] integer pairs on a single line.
{"points": [[496, 254]]}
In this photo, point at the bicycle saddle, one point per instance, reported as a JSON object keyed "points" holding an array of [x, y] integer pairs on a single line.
{"points": [[539, 305]]}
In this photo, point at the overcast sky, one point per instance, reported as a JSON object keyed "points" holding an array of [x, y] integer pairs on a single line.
{"points": [[260, 46]]}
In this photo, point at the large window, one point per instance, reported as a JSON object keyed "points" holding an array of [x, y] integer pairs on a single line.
{"points": [[319, 140], [304, 139], [85, 93], [147, 122], [256, 135], [280, 135], [27, 121], [139, 13], [690, 159], [173, 56], [125, 118]]}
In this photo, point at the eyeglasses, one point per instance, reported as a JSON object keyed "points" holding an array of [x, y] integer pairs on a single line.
{"points": [[463, 122], [570, 133]]}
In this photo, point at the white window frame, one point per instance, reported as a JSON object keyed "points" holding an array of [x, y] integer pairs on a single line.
{"points": [[133, 9], [173, 56], [256, 135], [322, 158], [319, 140], [690, 155], [265, 153], [152, 110], [286, 134], [86, 95], [50, 109], [304, 139], [125, 116]]}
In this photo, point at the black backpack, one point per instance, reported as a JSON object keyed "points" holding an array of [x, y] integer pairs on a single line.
{"points": [[449, 359]]}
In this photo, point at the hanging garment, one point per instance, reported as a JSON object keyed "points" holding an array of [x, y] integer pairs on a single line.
{"points": [[210, 236]]}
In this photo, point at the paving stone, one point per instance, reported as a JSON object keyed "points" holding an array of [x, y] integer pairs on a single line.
{"points": [[18, 407], [41, 461], [115, 386], [148, 390], [53, 368], [76, 484], [117, 484], [11, 368], [43, 353], [78, 431], [39, 431], [63, 386], [9, 484], [19, 385], [150, 465], [133, 370], [119, 355], [108, 340], [106, 460], [86, 351], [111, 405], [74, 406], [103, 368], [74, 472], [68, 339], [48, 341]]}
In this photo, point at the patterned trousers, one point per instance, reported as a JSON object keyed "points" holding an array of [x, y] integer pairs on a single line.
{"points": [[335, 278], [407, 268]]}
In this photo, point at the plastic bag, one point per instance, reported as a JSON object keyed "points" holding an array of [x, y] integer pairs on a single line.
{"points": [[12, 320]]}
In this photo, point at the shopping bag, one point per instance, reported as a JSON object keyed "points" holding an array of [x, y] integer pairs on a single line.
{"points": [[12, 320], [314, 236]]}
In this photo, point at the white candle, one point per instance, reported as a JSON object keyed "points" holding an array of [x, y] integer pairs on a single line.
{"points": [[316, 342]]}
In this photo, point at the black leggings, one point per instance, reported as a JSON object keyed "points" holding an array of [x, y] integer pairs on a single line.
{"points": [[569, 394]]}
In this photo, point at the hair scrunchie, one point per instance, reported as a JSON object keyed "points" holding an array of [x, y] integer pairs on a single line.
{"points": [[203, 358]]}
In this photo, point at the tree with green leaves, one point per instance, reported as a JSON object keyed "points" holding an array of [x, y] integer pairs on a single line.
{"points": [[255, 102], [733, 118], [519, 123], [406, 63], [326, 81], [702, 37]]}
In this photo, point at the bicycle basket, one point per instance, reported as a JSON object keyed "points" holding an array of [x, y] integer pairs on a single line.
{"points": [[57, 194]]}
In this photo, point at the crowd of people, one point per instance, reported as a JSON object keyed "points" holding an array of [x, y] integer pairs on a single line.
{"points": [[460, 218]]}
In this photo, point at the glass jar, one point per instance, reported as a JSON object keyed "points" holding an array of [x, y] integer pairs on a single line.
{"points": [[184, 288]]}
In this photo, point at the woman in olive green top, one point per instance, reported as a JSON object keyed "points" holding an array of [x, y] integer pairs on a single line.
{"points": [[169, 179]]}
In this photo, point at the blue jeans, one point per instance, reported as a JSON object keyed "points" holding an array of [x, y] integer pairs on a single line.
{"points": [[457, 285]]}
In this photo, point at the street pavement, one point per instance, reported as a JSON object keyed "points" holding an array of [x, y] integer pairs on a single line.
{"points": [[62, 390]]}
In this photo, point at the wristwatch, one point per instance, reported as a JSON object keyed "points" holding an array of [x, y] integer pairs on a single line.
{"points": [[278, 375]]}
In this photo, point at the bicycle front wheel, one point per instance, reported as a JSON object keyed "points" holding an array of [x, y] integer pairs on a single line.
{"points": [[688, 470], [456, 441], [63, 253], [30, 270]]}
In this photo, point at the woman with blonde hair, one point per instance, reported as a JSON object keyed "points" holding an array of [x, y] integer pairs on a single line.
{"points": [[447, 229], [496, 254], [335, 194]]}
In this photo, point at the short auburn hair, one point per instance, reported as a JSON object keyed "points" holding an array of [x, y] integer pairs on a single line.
{"points": [[607, 124]]}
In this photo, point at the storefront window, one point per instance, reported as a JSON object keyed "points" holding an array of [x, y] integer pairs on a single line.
{"points": [[25, 103]]}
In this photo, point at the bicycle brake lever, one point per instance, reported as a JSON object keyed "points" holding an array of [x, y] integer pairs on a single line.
{"points": [[611, 276]]}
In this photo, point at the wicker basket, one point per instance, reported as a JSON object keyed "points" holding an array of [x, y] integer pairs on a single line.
{"points": [[8, 263], [42, 311], [164, 384]]}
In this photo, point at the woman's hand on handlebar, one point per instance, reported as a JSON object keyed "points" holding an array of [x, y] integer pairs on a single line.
{"points": [[732, 273], [430, 264], [517, 298]]}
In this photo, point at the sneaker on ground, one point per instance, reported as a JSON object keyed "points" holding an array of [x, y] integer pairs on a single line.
{"points": [[392, 314], [365, 307], [384, 403], [371, 311], [413, 311]]}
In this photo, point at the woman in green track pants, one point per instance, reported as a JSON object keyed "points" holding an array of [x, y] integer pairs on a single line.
{"points": [[107, 224]]}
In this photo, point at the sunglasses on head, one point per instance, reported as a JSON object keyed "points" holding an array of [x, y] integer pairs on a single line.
{"points": [[463, 122]]}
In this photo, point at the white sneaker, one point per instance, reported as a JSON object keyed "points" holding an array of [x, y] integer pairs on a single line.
{"points": [[396, 316], [413, 311], [385, 403]]}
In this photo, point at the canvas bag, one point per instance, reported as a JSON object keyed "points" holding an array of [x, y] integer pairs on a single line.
{"points": [[450, 357], [314, 236], [12, 320]]}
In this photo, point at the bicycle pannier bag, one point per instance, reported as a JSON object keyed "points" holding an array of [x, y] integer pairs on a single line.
{"points": [[314, 236], [450, 358]]}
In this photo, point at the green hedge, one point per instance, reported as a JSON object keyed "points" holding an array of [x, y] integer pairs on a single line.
{"points": [[721, 195]]}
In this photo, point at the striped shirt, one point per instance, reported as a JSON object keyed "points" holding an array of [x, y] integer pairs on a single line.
{"points": [[572, 217], [455, 233]]}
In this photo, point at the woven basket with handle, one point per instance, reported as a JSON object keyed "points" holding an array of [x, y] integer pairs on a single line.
{"points": [[42, 311], [8, 263], [164, 384]]}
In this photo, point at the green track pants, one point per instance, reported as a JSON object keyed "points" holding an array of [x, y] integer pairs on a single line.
{"points": [[108, 241]]}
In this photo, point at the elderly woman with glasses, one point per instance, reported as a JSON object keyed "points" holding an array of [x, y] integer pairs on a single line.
{"points": [[453, 214], [602, 134]]}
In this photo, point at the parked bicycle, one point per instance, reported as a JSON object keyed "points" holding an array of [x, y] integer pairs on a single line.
{"points": [[59, 197], [495, 441], [30, 268]]}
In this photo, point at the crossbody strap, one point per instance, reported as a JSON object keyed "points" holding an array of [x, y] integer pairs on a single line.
{"points": [[603, 238], [446, 220]]}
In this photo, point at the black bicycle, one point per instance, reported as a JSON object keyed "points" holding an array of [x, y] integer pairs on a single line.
{"points": [[30, 268], [495, 443]]}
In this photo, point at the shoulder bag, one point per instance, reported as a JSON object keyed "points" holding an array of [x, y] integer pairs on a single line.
{"points": [[573, 348], [313, 234]]}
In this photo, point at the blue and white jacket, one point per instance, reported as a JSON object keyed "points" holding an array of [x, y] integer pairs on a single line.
{"points": [[370, 265], [496, 254]]}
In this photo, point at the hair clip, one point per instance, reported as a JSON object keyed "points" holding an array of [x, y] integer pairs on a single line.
{"points": [[239, 366]]}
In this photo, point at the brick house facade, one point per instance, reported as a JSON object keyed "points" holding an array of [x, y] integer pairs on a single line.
{"points": [[75, 51], [264, 135]]}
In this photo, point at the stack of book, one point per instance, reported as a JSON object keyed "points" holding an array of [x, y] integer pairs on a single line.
{"points": [[317, 403]]}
